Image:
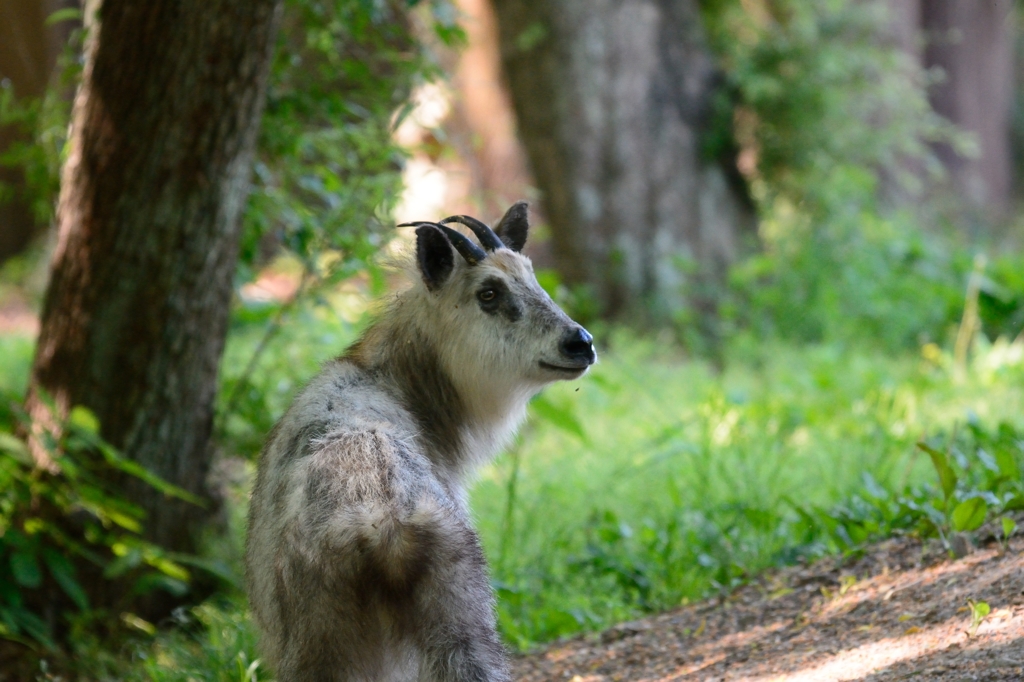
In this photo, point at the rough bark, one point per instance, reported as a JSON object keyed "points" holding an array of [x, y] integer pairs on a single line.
{"points": [[612, 99], [136, 311], [28, 53], [972, 42]]}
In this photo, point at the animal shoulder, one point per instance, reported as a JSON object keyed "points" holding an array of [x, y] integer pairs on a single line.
{"points": [[344, 395]]}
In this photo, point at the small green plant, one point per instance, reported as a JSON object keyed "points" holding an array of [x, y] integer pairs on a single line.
{"points": [[978, 475], [1007, 526], [957, 516], [979, 612]]}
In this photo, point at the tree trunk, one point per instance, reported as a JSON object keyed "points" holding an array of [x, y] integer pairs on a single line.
{"points": [[136, 311], [972, 42], [28, 54], [482, 125], [612, 100]]}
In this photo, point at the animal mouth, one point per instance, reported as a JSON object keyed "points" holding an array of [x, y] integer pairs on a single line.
{"points": [[561, 368]]}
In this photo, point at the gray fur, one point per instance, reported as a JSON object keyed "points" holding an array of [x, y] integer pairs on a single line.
{"points": [[362, 563]]}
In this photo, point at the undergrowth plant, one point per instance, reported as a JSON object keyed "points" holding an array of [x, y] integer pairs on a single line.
{"points": [[1007, 527], [979, 612], [977, 475], [58, 519]]}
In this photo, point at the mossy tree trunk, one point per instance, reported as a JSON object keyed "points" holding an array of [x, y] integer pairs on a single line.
{"points": [[615, 105], [136, 312]]}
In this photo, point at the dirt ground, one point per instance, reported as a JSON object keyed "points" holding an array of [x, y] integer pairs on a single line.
{"points": [[898, 612]]}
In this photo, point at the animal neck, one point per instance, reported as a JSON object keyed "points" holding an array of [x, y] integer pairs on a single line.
{"points": [[462, 421]]}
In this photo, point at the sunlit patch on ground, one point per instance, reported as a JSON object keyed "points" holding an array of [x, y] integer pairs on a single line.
{"points": [[900, 611]]}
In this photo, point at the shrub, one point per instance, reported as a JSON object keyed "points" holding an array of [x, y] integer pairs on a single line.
{"points": [[65, 525]]}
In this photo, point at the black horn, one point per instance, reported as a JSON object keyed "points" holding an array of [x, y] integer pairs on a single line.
{"points": [[485, 234], [470, 251]]}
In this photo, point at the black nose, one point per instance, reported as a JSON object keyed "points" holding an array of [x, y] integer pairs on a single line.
{"points": [[579, 345]]}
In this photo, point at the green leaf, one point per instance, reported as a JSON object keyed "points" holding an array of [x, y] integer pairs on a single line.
{"points": [[16, 447], [68, 14], [604, 382], [137, 470], [33, 626], [63, 571], [947, 477], [1015, 503], [558, 416], [215, 567], [1007, 463], [401, 115], [123, 520], [140, 624], [1009, 525], [157, 581], [873, 488], [25, 568], [84, 419], [10, 595], [131, 559], [969, 514], [168, 568]]}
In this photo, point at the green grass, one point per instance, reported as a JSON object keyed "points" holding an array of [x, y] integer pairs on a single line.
{"points": [[686, 480]]}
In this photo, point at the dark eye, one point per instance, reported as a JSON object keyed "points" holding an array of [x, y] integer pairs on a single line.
{"points": [[487, 295]]}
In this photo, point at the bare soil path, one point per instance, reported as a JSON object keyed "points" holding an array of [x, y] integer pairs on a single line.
{"points": [[898, 612]]}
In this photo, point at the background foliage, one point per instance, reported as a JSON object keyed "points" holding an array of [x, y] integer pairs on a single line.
{"points": [[328, 169], [834, 120]]}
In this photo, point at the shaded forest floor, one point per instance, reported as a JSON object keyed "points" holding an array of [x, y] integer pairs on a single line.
{"points": [[899, 611]]}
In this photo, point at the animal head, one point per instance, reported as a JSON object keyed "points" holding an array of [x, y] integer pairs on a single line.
{"points": [[496, 323]]}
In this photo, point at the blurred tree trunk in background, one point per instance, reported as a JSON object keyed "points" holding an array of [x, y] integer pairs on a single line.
{"points": [[972, 42], [483, 121], [28, 53], [615, 103], [136, 312]]}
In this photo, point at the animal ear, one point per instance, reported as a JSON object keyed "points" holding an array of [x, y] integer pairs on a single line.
{"points": [[513, 226], [434, 255]]}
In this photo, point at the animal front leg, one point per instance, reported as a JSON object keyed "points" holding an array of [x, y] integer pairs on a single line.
{"points": [[460, 642]]}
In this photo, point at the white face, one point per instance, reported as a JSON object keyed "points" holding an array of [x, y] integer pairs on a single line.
{"points": [[499, 323], [500, 336]]}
